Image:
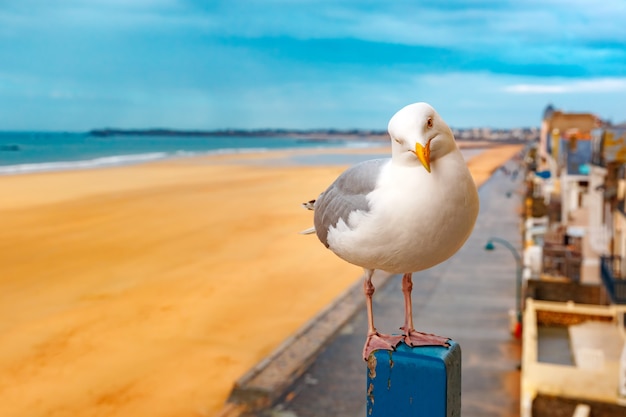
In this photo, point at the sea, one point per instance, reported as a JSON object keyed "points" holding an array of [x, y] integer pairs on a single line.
{"points": [[27, 152]]}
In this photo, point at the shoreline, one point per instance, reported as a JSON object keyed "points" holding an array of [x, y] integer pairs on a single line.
{"points": [[352, 145], [149, 289]]}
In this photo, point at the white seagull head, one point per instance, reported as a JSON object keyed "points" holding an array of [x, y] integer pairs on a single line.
{"points": [[419, 136]]}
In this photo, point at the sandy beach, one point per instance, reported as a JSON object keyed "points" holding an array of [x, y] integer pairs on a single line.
{"points": [[149, 289]]}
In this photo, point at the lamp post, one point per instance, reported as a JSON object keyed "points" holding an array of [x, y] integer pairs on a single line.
{"points": [[518, 283]]}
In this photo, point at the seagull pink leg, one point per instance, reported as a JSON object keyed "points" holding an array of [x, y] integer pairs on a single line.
{"points": [[375, 340], [411, 336]]}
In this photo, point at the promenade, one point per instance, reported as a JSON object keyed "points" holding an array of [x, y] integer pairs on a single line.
{"points": [[467, 298]]}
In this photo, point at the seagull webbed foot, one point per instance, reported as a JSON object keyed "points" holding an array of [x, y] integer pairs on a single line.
{"points": [[414, 338], [377, 341]]}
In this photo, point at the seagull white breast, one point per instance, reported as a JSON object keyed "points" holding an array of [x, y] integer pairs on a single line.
{"points": [[413, 222]]}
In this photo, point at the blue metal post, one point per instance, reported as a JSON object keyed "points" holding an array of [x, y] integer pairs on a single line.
{"points": [[414, 382]]}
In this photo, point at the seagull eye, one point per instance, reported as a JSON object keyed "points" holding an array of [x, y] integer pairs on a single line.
{"points": [[398, 141], [429, 122]]}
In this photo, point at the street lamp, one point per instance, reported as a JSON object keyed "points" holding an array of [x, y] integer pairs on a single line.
{"points": [[518, 284]]}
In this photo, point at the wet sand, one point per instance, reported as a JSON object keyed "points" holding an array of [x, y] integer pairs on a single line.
{"points": [[147, 290]]}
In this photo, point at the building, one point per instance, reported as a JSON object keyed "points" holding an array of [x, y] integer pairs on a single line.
{"points": [[575, 287]]}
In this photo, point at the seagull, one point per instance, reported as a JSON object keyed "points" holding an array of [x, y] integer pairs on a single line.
{"points": [[402, 214]]}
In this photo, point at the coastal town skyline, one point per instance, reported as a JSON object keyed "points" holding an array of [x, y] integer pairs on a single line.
{"points": [[77, 65]]}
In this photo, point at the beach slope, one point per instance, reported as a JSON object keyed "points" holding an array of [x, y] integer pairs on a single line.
{"points": [[149, 289]]}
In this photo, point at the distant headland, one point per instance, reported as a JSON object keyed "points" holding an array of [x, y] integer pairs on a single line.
{"points": [[234, 132], [496, 135]]}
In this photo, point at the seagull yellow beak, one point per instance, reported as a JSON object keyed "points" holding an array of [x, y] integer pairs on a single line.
{"points": [[423, 154]]}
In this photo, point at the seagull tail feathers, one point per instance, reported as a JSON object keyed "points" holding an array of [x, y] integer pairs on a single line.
{"points": [[309, 205], [308, 231]]}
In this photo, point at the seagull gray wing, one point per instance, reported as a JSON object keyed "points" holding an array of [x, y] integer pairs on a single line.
{"points": [[347, 194]]}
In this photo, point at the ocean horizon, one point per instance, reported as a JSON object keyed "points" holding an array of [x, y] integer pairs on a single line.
{"points": [[28, 152]]}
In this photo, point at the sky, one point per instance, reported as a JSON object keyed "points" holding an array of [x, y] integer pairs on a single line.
{"points": [[74, 65]]}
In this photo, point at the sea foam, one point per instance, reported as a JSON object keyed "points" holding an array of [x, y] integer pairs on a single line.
{"points": [[105, 161]]}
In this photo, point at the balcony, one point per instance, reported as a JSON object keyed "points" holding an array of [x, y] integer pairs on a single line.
{"points": [[571, 356], [613, 278], [562, 261]]}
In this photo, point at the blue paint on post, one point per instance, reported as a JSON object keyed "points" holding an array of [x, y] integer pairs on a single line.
{"points": [[412, 382]]}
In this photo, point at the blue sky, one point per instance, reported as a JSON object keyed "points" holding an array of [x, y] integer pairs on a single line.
{"points": [[81, 64]]}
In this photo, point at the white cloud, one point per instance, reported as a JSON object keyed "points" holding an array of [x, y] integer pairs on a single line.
{"points": [[599, 85]]}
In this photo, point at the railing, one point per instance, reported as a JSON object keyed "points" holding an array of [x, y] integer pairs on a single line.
{"points": [[613, 279], [562, 261]]}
